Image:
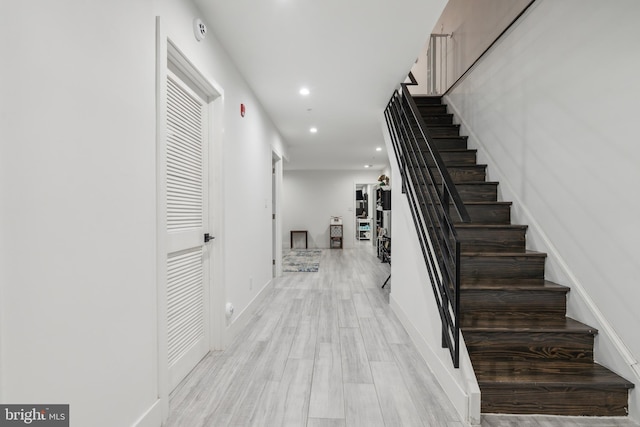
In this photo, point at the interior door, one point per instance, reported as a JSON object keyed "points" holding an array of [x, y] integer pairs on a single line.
{"points": [[187, 221]]}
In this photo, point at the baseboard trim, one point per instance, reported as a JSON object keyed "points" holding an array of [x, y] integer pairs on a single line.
{"points": [[463, 392], [243, 318], [152, 417]]}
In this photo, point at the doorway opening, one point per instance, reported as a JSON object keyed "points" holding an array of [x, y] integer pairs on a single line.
{"points": [[372, 216], [364, 220]]}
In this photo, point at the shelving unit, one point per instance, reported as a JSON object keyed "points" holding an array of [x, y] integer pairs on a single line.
{"points": [[362, 203], [335, 232], [363, 231], [335, 236], [383, 208], [383, 221]]}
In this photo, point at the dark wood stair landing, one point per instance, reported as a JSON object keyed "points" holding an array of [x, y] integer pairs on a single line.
{"points": [[528, 357]]}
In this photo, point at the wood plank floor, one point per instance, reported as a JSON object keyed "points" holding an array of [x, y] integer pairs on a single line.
{"points": [[325, 350]]}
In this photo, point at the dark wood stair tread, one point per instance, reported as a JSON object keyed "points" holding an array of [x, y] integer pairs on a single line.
{"points": [[516, 286], [436, 119], [453, 156], [563, 325], [430, 107], [472, 184], [459, 173], [476, 183], [491, 238], [452, 137], [482, 183], [505, 302], [452, 150], [461, 166], [502, 267], [468, 225], [442, 141], [443, 125], [529, 254], [474, 226], [484, 202], [484, 212], [427, 99], [524, 374], [487, 203]]}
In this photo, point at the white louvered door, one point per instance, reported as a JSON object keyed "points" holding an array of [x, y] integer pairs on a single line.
{"points": [[187, 204]]}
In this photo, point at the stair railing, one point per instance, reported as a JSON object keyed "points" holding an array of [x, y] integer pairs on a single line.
{"points": [[431, 194], [437, 64]]}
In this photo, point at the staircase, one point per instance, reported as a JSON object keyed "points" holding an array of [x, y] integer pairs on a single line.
{"points": [[529, 358]]}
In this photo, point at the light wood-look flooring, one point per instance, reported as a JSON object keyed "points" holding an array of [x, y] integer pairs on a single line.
{"points": [[325, 350]]}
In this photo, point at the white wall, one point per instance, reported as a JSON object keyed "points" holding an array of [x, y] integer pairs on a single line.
{"points": [[473, 26], [248, 142], [553, 110], [78, 208], [310, 198], [78, 190], [413, 301]]}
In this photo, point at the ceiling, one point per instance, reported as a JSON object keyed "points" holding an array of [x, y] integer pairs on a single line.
{"points": [[351, 54]]}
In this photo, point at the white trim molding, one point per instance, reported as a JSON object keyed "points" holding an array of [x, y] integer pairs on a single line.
{"points": [[242, 319], [465, 400], [152, 417]]}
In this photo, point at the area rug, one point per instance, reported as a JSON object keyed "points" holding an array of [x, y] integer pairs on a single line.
{"points": [[301, 260]]}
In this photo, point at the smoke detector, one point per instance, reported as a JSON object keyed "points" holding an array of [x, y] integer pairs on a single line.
{"points": [[199, 29]]}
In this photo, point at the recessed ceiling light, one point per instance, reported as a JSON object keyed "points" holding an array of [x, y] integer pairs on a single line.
{"points": [[378, 148], [313, 130], [304, 91], [368, 166]]}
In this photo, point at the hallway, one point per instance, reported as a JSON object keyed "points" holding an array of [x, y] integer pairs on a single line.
{"points": [[324, 349]]}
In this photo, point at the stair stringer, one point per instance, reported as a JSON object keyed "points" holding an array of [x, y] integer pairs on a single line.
{"points": [[609, 348]]}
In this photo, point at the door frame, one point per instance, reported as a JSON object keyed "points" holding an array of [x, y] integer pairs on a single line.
{"points": [[276, 194], [168, 52], [374, 232]]}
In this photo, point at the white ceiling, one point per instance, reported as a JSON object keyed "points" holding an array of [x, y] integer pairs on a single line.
{"points": [[351, 54]]}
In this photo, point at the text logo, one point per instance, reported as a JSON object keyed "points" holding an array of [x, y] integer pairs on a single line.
{"points": [[34, 415]]}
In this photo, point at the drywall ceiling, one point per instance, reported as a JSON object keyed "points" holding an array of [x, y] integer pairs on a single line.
{"points": [[351, 55]]}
